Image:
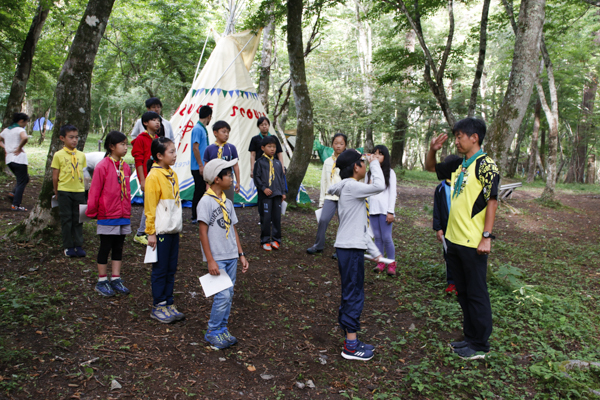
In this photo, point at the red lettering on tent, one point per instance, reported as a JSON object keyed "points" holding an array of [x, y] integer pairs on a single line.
{"points": [[186, 145], [190, 109], [181, 111], [188, 127], [249, 114], [210, 105], [243, 112], [234, 108]]}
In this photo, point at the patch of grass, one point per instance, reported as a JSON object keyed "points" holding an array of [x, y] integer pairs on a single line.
{"points": [[312, 179], [22, 301]]}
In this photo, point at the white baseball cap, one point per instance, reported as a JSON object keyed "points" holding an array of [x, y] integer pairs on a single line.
{"points": [[214, 167]]}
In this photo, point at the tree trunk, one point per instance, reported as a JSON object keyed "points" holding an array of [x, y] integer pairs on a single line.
{"points": [[514, 161], [265, 61], [304, 112], [365, 56], [552, 118], [542, 152], [578, 167], [19, 83], [399, 137], [72, 101], [533, 150], [520, 84], [481, 60], [590, 176]]}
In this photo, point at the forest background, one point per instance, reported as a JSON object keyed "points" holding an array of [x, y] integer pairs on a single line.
{"points": [[366, 70]]}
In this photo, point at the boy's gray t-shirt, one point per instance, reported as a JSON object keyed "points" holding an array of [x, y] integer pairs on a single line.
{"points": [[210, 212]]}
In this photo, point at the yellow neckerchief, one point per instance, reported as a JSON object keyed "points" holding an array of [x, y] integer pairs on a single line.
{"points": [[221, 147], [271, 169], [334, 157], [120, 175], [75, 167], [171, 177], [222, 203], [367, 207]]}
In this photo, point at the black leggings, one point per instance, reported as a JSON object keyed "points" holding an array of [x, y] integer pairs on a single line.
{"points": [[108, 243]]}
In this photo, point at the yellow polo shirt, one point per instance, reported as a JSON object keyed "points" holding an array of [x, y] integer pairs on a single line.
{"points": [[467, 210], [66, 181]]}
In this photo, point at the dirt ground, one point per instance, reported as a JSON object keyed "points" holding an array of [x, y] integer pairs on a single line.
{"points": [[284, 312]]}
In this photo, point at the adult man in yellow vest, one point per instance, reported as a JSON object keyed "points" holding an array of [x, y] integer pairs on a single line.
{"points": [[474, 187]]}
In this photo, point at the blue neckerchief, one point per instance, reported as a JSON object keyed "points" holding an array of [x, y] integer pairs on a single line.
{"points": [[465, 164], [446, 188]]}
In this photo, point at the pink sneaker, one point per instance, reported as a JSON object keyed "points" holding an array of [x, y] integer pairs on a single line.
{"points": [[392, 269], [379, 268]]}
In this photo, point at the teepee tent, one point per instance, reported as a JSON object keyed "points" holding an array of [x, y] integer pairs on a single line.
{"points": [[225, 85]]}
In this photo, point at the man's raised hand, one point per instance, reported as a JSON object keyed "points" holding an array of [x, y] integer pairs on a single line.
{"points": [[438, 141]]}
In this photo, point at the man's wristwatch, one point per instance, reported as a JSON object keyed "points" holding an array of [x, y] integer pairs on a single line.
{"points": [[487, 235], [241, 254]]}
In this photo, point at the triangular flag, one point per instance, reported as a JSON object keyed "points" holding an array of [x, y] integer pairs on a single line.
{"points": [[231, 93], [194, 92], [206, 90], [224, 93], [237, 93], [218, 91], [212, 91]]}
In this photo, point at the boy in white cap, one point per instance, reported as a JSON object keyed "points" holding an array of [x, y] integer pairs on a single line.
{"points": [[221, 245]]}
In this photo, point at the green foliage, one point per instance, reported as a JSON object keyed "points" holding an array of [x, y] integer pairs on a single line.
{"points": [[22, 303]]}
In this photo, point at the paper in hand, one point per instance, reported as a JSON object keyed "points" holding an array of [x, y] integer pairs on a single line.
{"points": [[283, 207], [444, 243], [54, 202], [82, 216], [381, 259], [213, 284], [151, 255], [318, 214]]}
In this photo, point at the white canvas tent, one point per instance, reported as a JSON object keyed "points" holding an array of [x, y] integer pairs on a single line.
{"points": [[225, 85]]}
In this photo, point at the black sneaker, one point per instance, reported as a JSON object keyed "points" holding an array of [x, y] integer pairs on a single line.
{"points": [[459, 345], [334, 256], [313, 250], [467, 353]]}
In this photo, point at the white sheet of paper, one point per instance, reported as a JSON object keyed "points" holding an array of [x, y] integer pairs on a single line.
{"points": [[54, 202], [444, 243], [381, 260], [213, 284], [283, 207], [151, 255], [82, 217], [318, 214]]}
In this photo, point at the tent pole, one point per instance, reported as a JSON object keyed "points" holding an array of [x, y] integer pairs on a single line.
{"points": [[200, 60]]}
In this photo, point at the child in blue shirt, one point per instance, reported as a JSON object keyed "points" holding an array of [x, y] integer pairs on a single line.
{"points": [[199, 145]]}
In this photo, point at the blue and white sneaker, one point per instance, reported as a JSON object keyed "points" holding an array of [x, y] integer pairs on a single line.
{"points": [[359, 353], [365, 346], [105, 289], [118, 287], [71, 252], [162, 314], [217, 340], [178, 315], [229, 337]]}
